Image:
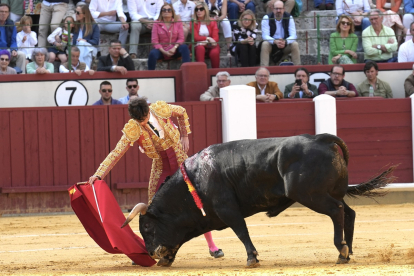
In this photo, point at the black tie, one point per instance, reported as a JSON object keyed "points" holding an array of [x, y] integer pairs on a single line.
{"points": [[154, 129]]}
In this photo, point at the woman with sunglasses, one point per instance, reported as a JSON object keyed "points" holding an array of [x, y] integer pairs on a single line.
{"points": [[343, 43], [244, 36], [167, 38], [5, 69], [218, 11], [206, 35], [86, 34], [357, 9]]}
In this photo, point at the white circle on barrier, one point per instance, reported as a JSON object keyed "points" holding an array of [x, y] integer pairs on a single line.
{"points": [[317, 78], [71, 93]]}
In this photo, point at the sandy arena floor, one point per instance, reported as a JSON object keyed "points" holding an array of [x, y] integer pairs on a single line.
{"points": [[298, 242]]}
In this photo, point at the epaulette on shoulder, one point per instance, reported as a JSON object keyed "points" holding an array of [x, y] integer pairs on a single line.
{"points": [[132, 131], [161, 109]]}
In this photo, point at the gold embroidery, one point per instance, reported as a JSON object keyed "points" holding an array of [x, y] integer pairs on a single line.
{"points": [[161, 109], [132, 131]]}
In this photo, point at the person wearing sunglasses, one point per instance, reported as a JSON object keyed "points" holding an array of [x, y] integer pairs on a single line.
{"points": [[106, 94], [5, 69], [167, 38], [343, 43], [86, 34], [206, 36], [132, 87]]}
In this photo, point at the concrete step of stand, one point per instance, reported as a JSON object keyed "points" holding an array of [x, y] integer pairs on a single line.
{"points": [[308, 20]]}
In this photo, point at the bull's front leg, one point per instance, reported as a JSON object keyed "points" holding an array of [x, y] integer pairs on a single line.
{"points": [[234, 219]]}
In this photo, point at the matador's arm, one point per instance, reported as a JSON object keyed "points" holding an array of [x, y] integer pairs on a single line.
{"points": [[183, 123]]}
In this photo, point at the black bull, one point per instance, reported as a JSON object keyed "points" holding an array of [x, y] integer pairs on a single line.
{"points": [[239, 179]]}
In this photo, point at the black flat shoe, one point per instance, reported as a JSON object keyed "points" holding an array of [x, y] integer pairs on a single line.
{"points": [[216, 254]]}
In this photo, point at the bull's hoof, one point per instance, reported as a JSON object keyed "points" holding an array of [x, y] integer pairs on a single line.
{"points": [[216, 254], [342, 260], [344, 251], [252, 263], [165, 262]]}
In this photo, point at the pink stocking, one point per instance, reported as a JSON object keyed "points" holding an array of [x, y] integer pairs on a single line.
{"points": [[210, 242]]}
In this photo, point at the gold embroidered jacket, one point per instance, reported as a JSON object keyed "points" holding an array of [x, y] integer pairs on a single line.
{"points": [[147, 140]]}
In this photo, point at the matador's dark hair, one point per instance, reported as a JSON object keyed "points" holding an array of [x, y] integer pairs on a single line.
{"points": [[138, 108]]}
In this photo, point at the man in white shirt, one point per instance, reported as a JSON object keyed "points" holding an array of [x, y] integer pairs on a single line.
{"points": [[406, 51], [104, 13], [279, 36], [143, 13], [76, 66], [185, 9], [51, 15]]}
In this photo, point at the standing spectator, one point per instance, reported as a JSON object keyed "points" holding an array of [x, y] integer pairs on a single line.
{"points": [[185, 9], [358, 9], [76, 66], [26, 39], [336, 85], [391, 17], [218, 11], [213, 92], [117, 60], [266, 91], [279, 36], [5, 69], [143, 14], [39, 65], [105, 89], [59, 39], [167, 38], [206, 35], [8, 34], [132, 87], [16, 8], [381, 88], [244, 37], [86, 34], [343, 43], [105, 13], [379, 41], [406, 51], [409, 84], [51, 15], [301, 88], [235, 7]]}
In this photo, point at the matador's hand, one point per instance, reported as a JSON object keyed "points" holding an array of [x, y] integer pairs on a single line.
{"points": [[92, 179], [186, 144]]}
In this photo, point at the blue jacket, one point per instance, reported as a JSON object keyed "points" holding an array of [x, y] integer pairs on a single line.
{"points": [[11, 33], [113, 101], [409, 6], [318, 2], [92, 38]]}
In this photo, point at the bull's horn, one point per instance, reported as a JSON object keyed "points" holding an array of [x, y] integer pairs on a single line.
{"points": [[139, 208]]}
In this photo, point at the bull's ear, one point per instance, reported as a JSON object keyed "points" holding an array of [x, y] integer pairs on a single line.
{"points": [[152, 212]]}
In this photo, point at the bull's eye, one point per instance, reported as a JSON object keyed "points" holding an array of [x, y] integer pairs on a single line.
{"points": [[146, 225]]}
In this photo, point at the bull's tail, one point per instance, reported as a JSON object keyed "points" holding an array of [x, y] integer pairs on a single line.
{"points": [[329, 138], [369, 188]]}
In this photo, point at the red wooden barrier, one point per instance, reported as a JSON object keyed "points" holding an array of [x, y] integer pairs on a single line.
{"points": [[377, 132]]}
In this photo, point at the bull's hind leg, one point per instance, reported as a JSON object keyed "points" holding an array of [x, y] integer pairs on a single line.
{"points": [[333, 208], [349, 225]]}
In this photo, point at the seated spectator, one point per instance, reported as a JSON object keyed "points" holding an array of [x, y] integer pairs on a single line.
{"points": [[105, 89], [406, 51], [301, 88], [408, 17], [213, 92], [244, 37], [391, 17], [8, 35], [26, 39], [105, 13], [117, 60], [336, 85], [343, 43], [206, 35], [381, 88], [184, 9], [132, 87], [279, 37], [86, 34], [143, 14], [39, 65], [409, 84], [379, 41], [16, 8], [5, 69], [51, 15], [289, 5], [167, 38], [357, 9], [76, 66], [59, 39], [218, 11], [234, 7], [266, 91]]}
